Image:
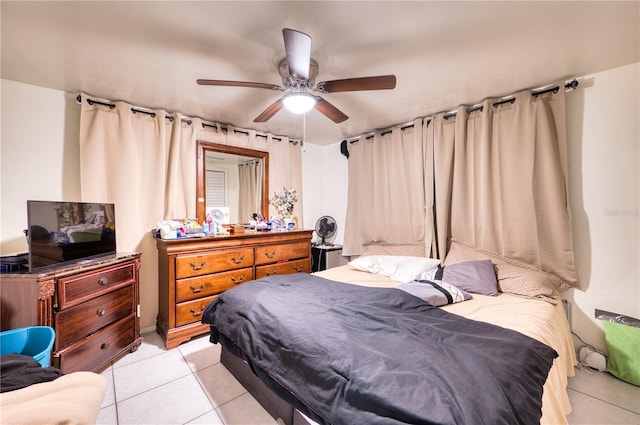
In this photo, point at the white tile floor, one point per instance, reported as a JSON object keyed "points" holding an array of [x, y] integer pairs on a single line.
{"points": [[188, 385]]}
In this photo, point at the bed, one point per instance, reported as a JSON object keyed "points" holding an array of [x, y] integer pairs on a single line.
{"points": [[514, 372]]}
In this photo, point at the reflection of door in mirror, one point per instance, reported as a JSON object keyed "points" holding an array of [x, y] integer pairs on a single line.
{"points": [[232, 183]]}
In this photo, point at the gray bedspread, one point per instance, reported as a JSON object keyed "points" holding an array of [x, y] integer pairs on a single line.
{"points": [[347, 354]]}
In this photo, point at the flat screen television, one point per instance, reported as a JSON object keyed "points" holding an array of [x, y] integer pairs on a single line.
{"points": [[66, 232]]}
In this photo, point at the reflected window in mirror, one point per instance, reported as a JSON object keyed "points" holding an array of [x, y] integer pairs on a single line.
{"points": [[232, 182]]}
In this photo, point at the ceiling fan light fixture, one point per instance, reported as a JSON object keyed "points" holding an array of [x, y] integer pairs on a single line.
{"points": [[299, 103]]}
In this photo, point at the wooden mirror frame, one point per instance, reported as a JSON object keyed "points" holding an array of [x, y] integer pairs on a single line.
{"points": [[234, 150]]}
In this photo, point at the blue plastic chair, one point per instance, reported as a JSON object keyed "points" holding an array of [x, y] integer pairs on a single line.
{"points": [[34, 341]]}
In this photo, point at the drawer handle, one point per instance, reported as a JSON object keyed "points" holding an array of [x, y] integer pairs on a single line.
{"points": [[195, 313], [196, 290], [237, 261], [101, 312], [103, 281], [299, 268], [237, 281], [273, 254], [104, 346], [202, 263], [275, 272]]}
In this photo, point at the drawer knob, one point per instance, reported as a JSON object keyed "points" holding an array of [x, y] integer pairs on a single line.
{"points": [[103, 281], [196, 290], [104, 346], [237, 281], [270, 255], [236, 261], [194, 267], [101, 312], [195, 313]]}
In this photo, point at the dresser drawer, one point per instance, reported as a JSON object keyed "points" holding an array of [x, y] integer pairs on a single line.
{"points": [[99, 348], [202, 286], [212, 262], [288, 267], [273, 253], [191, 311], [82, 320], [76, 289]]}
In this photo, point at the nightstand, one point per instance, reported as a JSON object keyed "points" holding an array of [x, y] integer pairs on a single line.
{"points": [[326, 256]]}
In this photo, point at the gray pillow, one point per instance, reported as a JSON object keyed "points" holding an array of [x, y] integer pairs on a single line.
{"points": [[478, 277], [435, 292]]}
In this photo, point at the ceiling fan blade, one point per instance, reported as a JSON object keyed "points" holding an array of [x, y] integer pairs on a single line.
{"points": [[298, 47], [229, 83], [270, 111], [330, 111], [380, 82]]}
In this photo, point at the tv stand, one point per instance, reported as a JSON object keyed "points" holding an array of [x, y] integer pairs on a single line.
{"points": [[92, 305]]}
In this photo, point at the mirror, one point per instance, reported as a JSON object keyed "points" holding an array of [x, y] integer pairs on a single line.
{"points": [[218, 182]]}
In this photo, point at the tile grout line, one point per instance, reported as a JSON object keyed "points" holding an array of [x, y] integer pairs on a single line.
{"points": [[215, 408], [604, 401], [204, 390]]}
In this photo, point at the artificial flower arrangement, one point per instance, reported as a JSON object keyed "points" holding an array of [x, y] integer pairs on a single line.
{"points": [[283, 201]]}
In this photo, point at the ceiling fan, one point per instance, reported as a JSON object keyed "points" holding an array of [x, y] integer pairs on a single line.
{"points": [[298, 72]]}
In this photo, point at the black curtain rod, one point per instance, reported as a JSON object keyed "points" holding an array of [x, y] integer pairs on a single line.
{"points": [[508, 99], [184, 120], [480, 107], [170, 118], [384, 133], [134, 110]]}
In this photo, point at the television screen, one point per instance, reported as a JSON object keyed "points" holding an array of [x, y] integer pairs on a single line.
{"points": [[60, 232]]}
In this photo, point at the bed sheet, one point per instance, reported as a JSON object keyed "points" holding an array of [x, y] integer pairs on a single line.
{"points": [[538, 319]]}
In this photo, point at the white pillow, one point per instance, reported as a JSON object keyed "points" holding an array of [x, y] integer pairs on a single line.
{"points": [[399, 268]]}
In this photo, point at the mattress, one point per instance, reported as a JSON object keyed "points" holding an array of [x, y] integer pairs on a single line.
{"points": [[535, 318]]}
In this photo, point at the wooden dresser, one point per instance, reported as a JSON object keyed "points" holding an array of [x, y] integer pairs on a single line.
{"points": [[93, 307], [192, 272]]}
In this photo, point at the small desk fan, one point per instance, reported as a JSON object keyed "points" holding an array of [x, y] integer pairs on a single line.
{"points": [[326, 229]]}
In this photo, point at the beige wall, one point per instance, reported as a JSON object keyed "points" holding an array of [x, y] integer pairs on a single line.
{"points": [[604, 152], [324, 186], [39, 155], [40, 160]]}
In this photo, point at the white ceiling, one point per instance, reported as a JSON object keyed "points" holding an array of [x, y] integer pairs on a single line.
{"points": [[443, 53]]}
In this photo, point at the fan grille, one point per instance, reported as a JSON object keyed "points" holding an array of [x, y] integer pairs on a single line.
{"points": [[326, 228]]}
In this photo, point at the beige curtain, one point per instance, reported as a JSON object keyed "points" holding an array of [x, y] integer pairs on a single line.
{"points": [[180, 192], [250, 182], [386, 201], [440, 168], [501, 180], [285, 162], [431, 241], [285, 170], [123, 160]]}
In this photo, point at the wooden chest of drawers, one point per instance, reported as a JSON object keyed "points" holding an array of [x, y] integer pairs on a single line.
{"points": [[92, 307], [192, 272]]}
